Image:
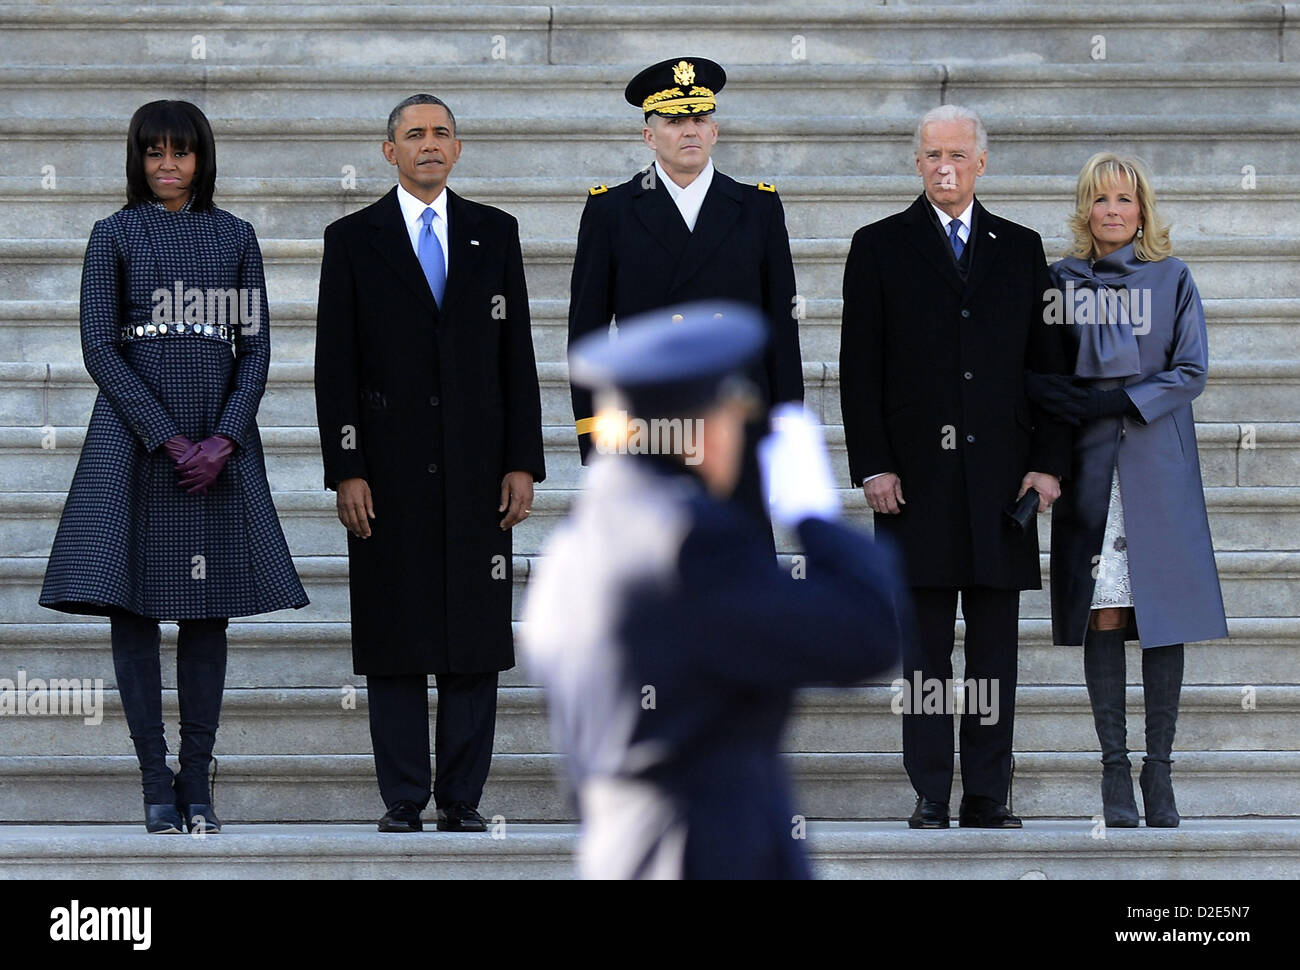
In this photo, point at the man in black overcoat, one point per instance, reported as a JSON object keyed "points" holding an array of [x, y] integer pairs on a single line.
{"points": [[680, 231], [943, 312], [430, 425]]}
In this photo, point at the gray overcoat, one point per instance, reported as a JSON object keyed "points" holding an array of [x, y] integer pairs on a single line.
{"points": [[1157, 353]]}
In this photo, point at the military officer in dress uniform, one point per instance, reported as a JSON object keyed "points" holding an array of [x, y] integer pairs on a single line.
{"points": [[669, 641], [680, 231]]}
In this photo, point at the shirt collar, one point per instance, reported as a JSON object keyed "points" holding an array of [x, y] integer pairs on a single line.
{"points": [[413, 208], [944, 218], [697, 187]]}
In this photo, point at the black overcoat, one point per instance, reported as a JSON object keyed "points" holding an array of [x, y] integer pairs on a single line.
{"points": [[432, 407], [636, 254], [932, 384], [130, 538]]}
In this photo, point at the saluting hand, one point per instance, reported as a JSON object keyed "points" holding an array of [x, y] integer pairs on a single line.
{"points": [[355, 506], [516, 498]]}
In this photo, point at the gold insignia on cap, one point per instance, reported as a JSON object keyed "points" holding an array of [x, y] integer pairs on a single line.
{"points": [[766, 187], [673, 102], [598, 190], [683, 73]]}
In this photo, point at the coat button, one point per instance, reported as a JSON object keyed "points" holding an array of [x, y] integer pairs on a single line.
{"points": [[965, 313], [968, 375], [970, 438], [433, 469], [433, 400]]}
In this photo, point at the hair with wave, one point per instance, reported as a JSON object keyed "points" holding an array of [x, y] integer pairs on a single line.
{"points": [[1099, 173]]}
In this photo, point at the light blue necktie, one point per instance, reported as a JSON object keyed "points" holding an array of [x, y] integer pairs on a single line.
{"points": [[958, 247], [432, 261]]}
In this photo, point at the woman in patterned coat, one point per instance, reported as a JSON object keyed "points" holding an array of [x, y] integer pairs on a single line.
{"points": [[1132, 557], [169, 514]]}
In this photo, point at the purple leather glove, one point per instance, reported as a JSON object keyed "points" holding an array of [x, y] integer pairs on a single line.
{"points": [[179, 449], [202, 468]]}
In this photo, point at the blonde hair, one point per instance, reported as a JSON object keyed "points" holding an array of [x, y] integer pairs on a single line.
{"points": [[1100, 171]]}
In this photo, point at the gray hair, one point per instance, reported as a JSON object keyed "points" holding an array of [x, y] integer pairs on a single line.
{"points": [[395, 115], [952, 112]]}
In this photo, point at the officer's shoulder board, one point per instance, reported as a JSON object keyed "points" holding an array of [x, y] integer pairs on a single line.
{"points": [[766, 187], [598, 190]]}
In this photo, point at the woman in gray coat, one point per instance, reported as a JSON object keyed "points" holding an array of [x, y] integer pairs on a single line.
{"points": [[1131, 552]]}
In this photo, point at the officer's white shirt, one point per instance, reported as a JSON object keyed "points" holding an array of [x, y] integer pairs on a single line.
{"points": [[413, 216], [688, 199]]}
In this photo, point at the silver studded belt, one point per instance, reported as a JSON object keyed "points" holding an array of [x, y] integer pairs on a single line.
{"points": [[153, 331]]}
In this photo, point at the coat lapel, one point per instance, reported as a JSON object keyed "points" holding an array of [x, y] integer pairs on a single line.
{"points": [[656, 210], [717, 216], [394, 245], [921, 234], [986, 246], [463, 253]]}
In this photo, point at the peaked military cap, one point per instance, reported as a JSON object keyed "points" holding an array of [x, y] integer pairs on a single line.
{"points": [[672, 361], [677, 86]]}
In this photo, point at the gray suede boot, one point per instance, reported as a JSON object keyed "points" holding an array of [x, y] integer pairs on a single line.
{"points": [[1162, 681], [1103, 671]]}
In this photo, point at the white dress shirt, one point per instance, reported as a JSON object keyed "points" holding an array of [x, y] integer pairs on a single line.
{"points": [[690, 198], [965, 217], [413, 216]]}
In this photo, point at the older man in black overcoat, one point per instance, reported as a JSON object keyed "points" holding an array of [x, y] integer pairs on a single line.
{"points": [[942, 315], [430, 425]]}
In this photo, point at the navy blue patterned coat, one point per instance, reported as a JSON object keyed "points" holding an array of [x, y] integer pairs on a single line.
{"points": [[130, 537]]}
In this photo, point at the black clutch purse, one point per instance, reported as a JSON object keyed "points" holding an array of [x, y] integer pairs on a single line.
{"points": [[1020, 515]]}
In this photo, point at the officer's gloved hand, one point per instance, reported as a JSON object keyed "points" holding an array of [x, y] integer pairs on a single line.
{"points": [[203, 467], [179, 449], [796, 468]]}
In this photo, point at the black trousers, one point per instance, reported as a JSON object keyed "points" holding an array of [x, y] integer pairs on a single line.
{"points": [[464, 731], [200, 683], [992, 617]]}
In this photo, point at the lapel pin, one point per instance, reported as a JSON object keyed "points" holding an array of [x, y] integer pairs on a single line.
{"points": [[473, 242], [992, 236]]}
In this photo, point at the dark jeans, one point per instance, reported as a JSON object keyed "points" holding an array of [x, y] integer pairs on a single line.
{"points": [[200, 681]]}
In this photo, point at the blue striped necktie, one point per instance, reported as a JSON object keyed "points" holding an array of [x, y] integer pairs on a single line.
{"points": [[432, 260]]}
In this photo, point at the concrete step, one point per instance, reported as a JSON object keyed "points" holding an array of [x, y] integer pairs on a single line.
{"points": [[1044, 849], [334, 721], [1252, 267], [47, 331], [1260, 454], [794, 89], [526, 787], [1241, 520], [1253, 584], [816, 207], [290, 654], [836, 141], [571, 34]]}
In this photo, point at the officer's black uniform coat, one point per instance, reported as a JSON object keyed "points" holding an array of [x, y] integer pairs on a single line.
{"points": [[635, 254], [432, 407], [130, 538], [932, 384]]}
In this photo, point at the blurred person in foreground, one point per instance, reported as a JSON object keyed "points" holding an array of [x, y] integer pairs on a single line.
{"points": [[669, 641]]}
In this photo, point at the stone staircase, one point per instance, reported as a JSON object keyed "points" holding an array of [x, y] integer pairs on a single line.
{"points": [[821, 100]]}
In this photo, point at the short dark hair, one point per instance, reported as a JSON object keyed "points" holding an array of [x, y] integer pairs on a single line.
{"points": [[395, 115], [183, 126]]}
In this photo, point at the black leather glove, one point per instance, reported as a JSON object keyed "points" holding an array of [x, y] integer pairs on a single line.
{"points": [[1058, 395], [1109, 403]]}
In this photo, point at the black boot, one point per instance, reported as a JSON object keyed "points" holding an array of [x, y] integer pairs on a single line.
{"points": [[135, 641], [1162, 681], [1103, 671], [200, 681]]}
